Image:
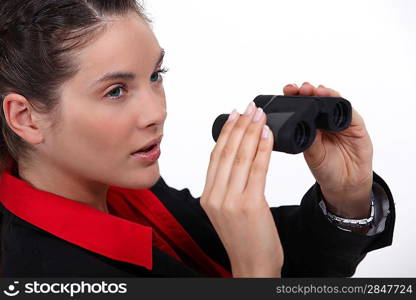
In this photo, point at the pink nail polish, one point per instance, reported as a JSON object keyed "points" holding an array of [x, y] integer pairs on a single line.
{"points": [[250, 108], [258, 114], [265, 132], [232, 116]]}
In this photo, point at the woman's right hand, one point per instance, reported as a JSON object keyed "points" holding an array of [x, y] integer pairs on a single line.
{"points": [[233, 197]]}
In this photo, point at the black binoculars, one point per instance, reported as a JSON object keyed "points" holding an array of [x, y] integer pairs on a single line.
{"points": [[294, 119]]}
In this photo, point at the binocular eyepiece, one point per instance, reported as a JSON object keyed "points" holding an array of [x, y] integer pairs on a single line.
{"points": [[294, 119]]}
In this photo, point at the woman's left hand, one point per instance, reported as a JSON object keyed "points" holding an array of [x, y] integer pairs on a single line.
{"points": [[341, 162]]}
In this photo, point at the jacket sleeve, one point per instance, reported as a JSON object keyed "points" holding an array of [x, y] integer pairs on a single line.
{"points": [[313, 247]]}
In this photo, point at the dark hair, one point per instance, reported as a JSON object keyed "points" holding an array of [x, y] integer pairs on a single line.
{"points": [[38, 39]]}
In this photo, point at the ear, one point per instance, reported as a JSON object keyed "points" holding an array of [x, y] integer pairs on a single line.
{"points": [[22, 119]]}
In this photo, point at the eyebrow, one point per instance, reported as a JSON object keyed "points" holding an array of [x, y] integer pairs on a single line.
{"points": [[124, 75]]}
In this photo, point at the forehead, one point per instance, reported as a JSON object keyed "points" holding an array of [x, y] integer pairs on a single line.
{"points": [[127, 42]]}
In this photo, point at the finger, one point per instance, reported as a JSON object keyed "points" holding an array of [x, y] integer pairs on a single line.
{"points": [[216, 152], [245, 154], [306, 89], [257, 178], [322, 91], [291, 89], [229, 150]]}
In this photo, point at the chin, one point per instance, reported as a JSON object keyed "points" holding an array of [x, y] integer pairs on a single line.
{"points": [[147, 178], [153, 179]]}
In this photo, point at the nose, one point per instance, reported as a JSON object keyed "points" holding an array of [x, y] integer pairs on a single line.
{"points": [[152, 109]]}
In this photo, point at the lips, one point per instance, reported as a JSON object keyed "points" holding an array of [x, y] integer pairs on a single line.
{"points": [[150, 145]]}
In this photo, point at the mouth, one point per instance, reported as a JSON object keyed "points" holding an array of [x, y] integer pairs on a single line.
{"points": [[149, 146]]}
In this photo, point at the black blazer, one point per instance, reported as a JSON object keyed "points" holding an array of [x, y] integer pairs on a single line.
{"points": [[313, 247]]}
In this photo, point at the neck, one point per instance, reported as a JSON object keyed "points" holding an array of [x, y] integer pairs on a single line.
{"points": [[64, 185]]}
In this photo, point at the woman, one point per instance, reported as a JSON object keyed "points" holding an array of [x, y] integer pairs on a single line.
{"points": [[83, 110]]}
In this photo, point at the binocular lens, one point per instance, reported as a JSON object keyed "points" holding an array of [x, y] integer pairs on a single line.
{"points": [[302, 134], [340, 115]]}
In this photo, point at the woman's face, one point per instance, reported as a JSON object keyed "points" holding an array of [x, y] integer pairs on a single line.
{"points": [[102, 122]]}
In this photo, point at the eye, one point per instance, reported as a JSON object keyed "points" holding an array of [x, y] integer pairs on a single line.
{"points": [[115, 93], [157, 76]]}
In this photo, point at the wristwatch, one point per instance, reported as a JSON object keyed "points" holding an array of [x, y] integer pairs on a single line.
{"points": [[357, 223]]}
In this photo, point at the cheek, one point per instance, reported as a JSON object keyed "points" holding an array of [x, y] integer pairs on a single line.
{"points": [[94, 134]]}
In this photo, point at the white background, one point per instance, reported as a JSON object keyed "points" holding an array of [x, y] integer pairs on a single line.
{"points": [[222, 54]]}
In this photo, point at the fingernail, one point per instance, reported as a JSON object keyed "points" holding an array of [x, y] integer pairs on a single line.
{"points": [[232, 116], [250, 108], [258, 115], [294, 84], [265, 132]]}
